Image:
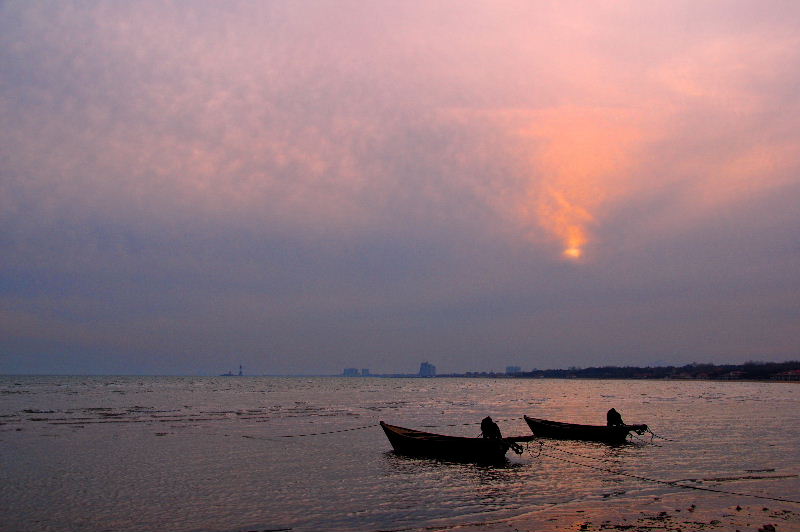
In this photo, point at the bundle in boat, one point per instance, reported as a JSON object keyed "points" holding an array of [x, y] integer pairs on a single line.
{"points": [[458, 448], [544, 428]]}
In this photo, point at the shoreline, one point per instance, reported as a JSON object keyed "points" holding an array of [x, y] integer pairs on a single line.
{"points": [[499, 376], [674, 512]]}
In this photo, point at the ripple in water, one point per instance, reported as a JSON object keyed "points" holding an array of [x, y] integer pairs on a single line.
{"points": [[190, 454]]}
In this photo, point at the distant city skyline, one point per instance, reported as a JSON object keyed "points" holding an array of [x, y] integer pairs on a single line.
{"points": [[507, 371], [301, 187]]}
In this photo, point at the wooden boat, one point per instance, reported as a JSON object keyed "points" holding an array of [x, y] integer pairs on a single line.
{"points": [[418, 443], [570, 431]]}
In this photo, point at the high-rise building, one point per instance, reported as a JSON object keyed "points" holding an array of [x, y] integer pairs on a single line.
{"points": [[427, 370], [513, 369], [365, 372], [350, 372]]}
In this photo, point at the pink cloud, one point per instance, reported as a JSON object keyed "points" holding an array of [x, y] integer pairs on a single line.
{"points": [[221, 138]]}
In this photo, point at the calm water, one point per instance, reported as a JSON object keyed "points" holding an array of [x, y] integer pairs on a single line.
{"points": [[186, 454]]}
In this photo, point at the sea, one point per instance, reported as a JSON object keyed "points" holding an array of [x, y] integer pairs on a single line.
{"points": [[231, 454]]}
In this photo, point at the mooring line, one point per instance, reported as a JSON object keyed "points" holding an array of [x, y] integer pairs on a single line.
{"points": [[278, 437], [659, 436], [559, 449], [674, 483], [275, 438], [467, 424]]}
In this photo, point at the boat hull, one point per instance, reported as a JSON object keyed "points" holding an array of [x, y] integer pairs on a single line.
{"points": [[544, 428], [418, 443]]}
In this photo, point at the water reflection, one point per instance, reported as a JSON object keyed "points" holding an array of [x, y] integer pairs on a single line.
{"points": [[461, 488], [401, 462], [209, 454]]}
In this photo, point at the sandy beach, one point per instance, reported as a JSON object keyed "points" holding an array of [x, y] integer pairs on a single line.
{"points": [[683, 512]]}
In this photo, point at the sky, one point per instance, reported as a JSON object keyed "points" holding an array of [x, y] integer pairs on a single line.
{"points": [[303, 186]]}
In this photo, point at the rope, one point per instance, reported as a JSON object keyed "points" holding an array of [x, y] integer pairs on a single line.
{"points": [[273, 438], [654, 435], [323, 433], [674, 483], [466, 424], [373, 425], [528, 448], [633, 437], [541, 452], [559, 449]]}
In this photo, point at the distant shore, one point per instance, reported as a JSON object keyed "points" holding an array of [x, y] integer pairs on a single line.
{"points": [[788, 371], [749, 371]]}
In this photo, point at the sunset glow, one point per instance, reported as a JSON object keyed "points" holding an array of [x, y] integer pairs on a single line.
{"points": [[360, 183], [582, 158]]}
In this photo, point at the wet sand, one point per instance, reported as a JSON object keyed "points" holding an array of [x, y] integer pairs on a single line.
{"points": [[672, 513]]}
